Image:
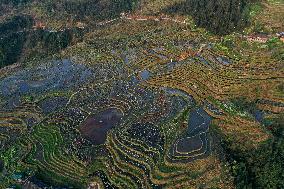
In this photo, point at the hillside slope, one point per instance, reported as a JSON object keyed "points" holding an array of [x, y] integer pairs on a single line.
{"points": [[141, 94]]}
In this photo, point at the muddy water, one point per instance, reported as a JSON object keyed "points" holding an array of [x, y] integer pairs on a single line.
{"points": [[189, 144], [95, 127], [145, 74]]}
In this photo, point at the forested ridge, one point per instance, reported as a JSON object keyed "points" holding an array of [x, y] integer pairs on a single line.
{"points": [[261, 167], [13, 37], [218, 16]]}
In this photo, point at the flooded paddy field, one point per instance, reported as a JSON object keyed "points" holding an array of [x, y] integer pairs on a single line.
{"points": [[54, 76], [52, 104], [51, 76], [148, 133]]}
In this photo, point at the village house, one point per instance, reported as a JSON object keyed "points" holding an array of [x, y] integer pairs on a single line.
{"points": [[80, 25], [39, 25], [94, 185], [281, 36], [186, 54], [261, 38], [123, 15]]}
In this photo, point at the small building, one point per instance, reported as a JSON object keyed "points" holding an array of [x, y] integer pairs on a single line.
{"points": [[186, 54], [94, 185], [123, 15], [261, 38], [39, 25], [80, 25], [281, 36]]}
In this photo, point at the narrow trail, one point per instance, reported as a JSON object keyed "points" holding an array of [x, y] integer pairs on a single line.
{"points": [[124, 16]]}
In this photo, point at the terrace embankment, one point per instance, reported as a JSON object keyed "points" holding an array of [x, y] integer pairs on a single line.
{"points": [[195, 143]]}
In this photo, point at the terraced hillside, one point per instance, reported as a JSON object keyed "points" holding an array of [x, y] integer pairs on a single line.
{"points": [[142, 99]]}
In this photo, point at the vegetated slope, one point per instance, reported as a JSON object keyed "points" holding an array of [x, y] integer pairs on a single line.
{"points": [[59, 18], [220, 17], [19, 41]]}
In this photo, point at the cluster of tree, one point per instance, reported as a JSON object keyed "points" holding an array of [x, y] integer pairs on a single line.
{"points": [[1, 165], [51, 180], [13, 36], [95, 9], [11, 48], [218, 16], [16, 23], [262, 167], [14, 2], [56, 41]]}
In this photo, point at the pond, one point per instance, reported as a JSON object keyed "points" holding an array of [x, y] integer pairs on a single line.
{"points": [[213, 109], [171, 65], [258, 115], [195, 144], [145, 74], [203, 60], [188, 149], [157, 52], [223, 60], [96, 127]]}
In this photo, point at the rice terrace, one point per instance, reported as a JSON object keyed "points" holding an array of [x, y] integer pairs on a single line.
{"points": [[138, 94]]}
